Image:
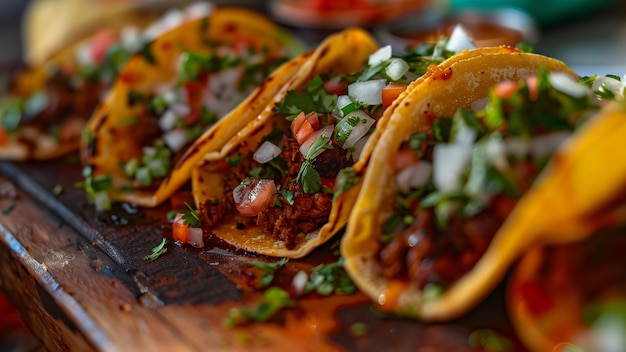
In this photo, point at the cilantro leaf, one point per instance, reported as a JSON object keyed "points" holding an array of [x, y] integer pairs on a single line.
{"points": [[327, 279], [157, 251], [312, 98], [274, 299], [268, 270], [191, 217]]}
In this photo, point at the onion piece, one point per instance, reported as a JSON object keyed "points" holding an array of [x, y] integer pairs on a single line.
{"points": [[175, 139], [167, 121], [610, 83], [459, 40], [367, 92], [517, 146], [396, 68], [379, 56], [358, 147], [362, 127], [547, 144], [266, 152], [195, 237], [326, 131], [449, 162], [414, 176], [565, 83], [343, 101], [299, 281]]}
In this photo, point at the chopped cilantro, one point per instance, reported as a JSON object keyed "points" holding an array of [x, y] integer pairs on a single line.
{"points": [[234, 161], [288, 195], [191, 216], [489, 341], [346, 179], [273, 300], [268, 270], [96, 188], [312, 98], [157, 251], [326, 279]]}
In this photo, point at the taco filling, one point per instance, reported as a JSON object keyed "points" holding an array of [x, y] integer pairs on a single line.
{"points": [[48, 106], [208, 85], [458, 184], [286, 183]]}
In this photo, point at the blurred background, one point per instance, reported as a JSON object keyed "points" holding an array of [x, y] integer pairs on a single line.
{"points": [[589, 35]]}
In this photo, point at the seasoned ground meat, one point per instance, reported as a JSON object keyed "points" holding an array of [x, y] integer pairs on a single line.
{"points": [[308, 212], [425, 253]]}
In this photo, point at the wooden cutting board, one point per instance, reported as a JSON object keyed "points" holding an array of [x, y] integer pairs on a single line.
{"points": [[80, 282]]}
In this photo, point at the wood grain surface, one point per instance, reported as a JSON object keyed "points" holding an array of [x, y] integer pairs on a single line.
{"points": [[79, 280]]}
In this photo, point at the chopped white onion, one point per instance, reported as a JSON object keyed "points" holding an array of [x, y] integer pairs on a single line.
{"points": [[299, 281], [175, 139], [414, 176], [610, 83], [480, 104], [167, 121], [547, 144], [358, 147], [130, 38], [266, 152], [83, 55], [361, 128], [326, 131], [198, 9], [170, 96], [343, 101], [496, 153], [565, 83], [396, 68], [459, 40], [465, 136], [195, 237], [449, 162], [517, 146], [379, 56], [368, 92], [181, 109]]}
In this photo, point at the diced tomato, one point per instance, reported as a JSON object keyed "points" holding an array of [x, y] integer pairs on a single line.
{"points": [[4, 136], [253, 198], [536, 297], [195, 91], [100, 43], [335, 85], [532, 83], [404, 158], [391, 92], [180, 231], [329, 182], [505, 89], [503, 206], [303, 126]]}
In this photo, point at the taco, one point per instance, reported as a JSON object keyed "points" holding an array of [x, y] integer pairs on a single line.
{"points": [[282, 186], [573, 294], [187, 80], [46, 107], [449, 197]]}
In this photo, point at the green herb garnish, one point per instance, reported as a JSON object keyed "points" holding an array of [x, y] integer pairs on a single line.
{"points": [[268, 270], [274, 299], [157, 251]]}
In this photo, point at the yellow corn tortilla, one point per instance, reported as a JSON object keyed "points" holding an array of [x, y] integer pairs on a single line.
{"points": [[111, 140], [341, 53], [470, 80]]}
